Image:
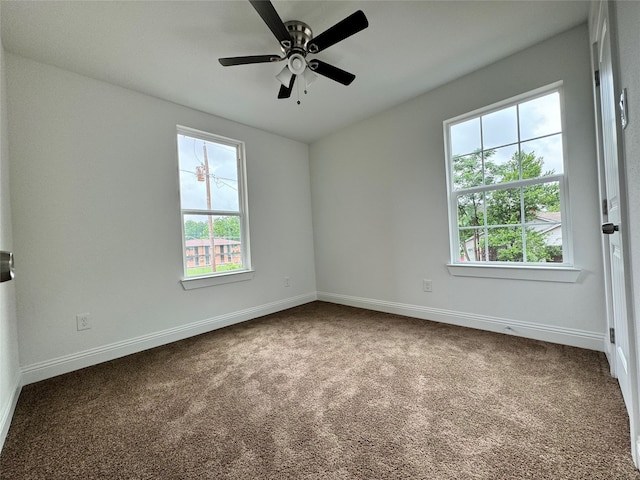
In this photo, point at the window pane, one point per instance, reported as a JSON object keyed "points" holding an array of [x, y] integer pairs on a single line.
{"points": [[465, 137], [544, 243], [208, 175], [542, 157], [542, 201], [540, 117], [503, 207], [501, 153], [544, 222], [472, 245], [501, 165], [500, 128], [212, 244], [467, 171], [505, 244], [470, 210]]}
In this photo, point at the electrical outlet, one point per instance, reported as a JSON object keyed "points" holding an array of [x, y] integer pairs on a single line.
{"points": [[82, 321], [427, 286], [287, 282]]}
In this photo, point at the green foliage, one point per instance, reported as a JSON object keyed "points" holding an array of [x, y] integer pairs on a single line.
{"points": [[193, 229], [191, 272], [223, 227], [505, 245], [227, 227], [228, 266], [504, 206], [203, 270], [467, 173]]}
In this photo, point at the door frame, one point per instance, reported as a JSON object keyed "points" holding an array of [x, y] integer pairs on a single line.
{"points": [[597, 11]]}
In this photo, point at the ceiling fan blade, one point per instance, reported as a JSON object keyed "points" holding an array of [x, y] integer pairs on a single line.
{"points": [[230, 61], [269, 15], [285, 92], [329, 71], [349, 26]]}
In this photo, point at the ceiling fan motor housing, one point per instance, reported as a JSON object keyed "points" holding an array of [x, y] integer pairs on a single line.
{"points": [[301, 35]]}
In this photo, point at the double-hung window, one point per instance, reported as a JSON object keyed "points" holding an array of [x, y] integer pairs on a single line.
{"points": [[507, 183], [213, 205]]}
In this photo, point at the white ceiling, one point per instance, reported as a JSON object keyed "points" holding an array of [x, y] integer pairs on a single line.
{"points": [[169, 49]]}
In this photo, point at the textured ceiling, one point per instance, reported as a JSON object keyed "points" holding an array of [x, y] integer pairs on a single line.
{"points": [[170, 49]]}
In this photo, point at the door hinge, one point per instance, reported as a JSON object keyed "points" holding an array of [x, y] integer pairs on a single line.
{"points": [[612, 335], [605, 207], [596, 77]]}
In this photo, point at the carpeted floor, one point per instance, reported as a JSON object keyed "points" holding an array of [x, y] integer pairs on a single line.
{"points": [[328, 392]]}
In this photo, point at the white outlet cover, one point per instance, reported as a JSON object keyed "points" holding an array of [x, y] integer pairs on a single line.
{"points": [[82, 321]]}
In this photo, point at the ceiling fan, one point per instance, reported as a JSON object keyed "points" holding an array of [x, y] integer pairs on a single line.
{"points": [[296, 42]]}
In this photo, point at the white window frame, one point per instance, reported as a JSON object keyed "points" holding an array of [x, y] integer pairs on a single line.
{"points": [[558, 272], [218, 278]]}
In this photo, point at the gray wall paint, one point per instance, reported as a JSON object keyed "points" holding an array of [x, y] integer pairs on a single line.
{"points": [[9, 369], [96, 214], [379, 198], [627, 19]]}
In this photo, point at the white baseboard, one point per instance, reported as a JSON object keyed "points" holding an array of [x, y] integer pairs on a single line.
{"points": [[6, 412], [547, 333], [75, 361], [68, 363]]}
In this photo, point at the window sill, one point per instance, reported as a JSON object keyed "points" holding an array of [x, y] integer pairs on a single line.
{"points": [[220, 279], [535, 273]]}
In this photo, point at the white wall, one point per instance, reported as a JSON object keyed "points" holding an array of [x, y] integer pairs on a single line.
{"points": [[627, 20], [9, 369], [380, 216], [97, 227]]}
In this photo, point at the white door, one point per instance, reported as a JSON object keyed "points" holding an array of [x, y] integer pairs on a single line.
{"points": [[612, 194], [623, 357]]}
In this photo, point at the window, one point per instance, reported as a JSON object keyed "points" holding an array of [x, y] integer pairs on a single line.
{"points": [[213, 204], [507, 183]]}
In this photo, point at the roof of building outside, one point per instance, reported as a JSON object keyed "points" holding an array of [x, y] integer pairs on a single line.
{"points": [[205, 242], [549, 216]]}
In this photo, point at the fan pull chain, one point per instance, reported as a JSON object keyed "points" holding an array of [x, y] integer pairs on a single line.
{"points": [[298, 90]]}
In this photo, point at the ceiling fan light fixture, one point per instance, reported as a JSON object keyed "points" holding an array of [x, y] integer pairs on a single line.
{"points": [[284, 77], [309, 77], [297, 64]]}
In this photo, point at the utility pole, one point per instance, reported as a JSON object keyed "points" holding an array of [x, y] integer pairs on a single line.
{"points": [[212, 248]]}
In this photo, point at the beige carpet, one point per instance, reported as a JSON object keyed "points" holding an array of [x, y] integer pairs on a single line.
{"points": [[328, 392]]}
